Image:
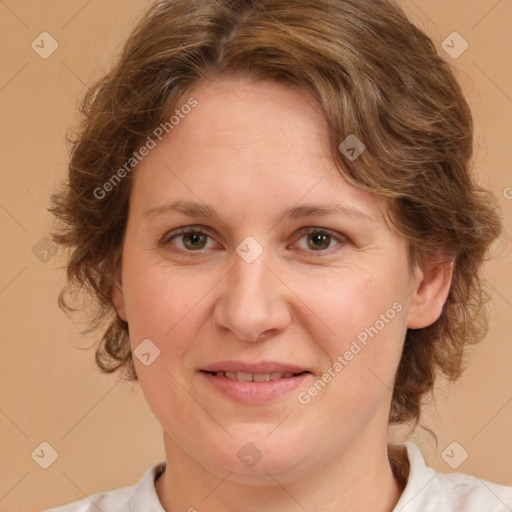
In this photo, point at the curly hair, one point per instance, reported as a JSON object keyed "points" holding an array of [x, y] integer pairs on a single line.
{"points": [[374, 74]]}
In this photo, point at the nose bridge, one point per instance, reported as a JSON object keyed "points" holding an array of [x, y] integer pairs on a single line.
{"points": [[250, 278], [252, 303]]}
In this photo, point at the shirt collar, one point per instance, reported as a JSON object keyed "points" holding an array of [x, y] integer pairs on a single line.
{"points": [[421, 482], [145, 496]]}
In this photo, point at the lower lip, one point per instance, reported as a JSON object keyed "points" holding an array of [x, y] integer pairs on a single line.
{"points": [[254, 392]]}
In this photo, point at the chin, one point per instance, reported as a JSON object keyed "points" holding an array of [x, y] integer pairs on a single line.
{"points": [[250, 456]]}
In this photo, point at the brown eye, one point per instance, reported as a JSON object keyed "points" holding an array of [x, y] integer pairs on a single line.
{"points": [[319, 241], [188, 239], [194, 241]]}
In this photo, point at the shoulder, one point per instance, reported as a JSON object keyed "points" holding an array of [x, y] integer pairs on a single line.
{"points": [[123, 499], [429, 491]]}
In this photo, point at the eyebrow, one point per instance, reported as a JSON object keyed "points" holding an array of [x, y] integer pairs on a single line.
{"points": [[192, 209]]}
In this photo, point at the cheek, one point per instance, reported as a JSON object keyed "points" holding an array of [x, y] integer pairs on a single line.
{"points": [[364, 319], [163, 306], [163, 303], [153, 297], [351, 301]]}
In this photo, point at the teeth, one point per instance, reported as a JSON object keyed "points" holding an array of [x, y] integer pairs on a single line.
{"points": [[261, 377], [254, 377]]}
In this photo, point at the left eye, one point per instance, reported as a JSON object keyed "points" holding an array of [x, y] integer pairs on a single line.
{"points": [[319, 239]]}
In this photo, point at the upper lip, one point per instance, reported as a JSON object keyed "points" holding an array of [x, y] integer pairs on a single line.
{"points": [[261, 367]]}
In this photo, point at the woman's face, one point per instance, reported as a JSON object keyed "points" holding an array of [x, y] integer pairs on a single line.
{"points": [[285, 269]]}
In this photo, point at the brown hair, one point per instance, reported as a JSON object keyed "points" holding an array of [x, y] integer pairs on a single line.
{"points": [[374, 74]]}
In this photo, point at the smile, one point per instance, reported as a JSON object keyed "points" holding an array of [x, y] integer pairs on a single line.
{"points": [[255, 377], [254, 384]]}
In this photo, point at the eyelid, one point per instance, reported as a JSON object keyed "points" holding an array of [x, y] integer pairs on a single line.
{"points": [[317, 229]]}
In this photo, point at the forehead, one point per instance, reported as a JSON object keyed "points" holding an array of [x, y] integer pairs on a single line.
{"points": [[248, 142]]}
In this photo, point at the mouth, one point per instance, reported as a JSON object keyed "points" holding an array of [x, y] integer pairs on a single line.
{"points": [[255, 377], [254, 383]]}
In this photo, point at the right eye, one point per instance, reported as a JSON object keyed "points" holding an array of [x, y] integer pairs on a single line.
{"points": [[189, 239]]}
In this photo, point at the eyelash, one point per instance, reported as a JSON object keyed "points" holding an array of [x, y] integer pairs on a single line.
{"points": [[342, 240]]}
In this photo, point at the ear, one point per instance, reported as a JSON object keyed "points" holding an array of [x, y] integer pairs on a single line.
{"points": [[432, 287], [118, 296]]}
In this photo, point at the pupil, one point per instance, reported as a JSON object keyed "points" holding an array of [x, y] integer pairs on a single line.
{"points": [[321, 239], [194, 239]]}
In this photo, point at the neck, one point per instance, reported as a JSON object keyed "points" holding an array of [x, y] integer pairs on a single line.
{"points": [[361, 479]]}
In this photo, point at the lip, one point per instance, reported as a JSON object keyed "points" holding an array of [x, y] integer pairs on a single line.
{"points": [[254, 393], [261, 367]]}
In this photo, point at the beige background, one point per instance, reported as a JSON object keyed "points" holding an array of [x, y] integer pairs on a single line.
{"points": [[103, 432]]}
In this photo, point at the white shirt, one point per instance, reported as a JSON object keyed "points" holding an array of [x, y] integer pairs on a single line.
{"points": [[426, 491]]}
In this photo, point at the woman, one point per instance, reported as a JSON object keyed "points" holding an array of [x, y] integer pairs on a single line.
{"points": [[272, 202]]}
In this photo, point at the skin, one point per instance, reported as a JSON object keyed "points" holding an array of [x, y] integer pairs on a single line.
{"points": [[249, 150]]}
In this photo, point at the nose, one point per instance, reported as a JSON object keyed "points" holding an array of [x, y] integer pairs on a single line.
{"points": [[252, 304]]}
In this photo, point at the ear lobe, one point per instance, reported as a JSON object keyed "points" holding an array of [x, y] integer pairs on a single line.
{"points": [[118, 297], [430, 295]]}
